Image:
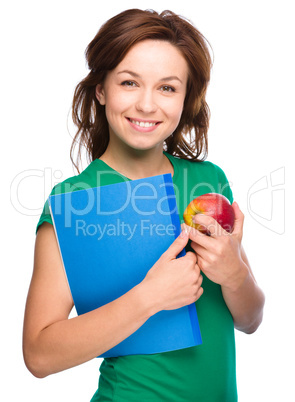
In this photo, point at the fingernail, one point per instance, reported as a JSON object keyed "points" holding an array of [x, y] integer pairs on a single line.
{"points": [[183, 234]]}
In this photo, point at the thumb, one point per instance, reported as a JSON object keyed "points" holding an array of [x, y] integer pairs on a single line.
{"points": [[177, 246], [239, 220]]}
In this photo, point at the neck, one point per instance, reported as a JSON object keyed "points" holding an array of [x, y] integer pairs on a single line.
{"points": [[138, 164]]}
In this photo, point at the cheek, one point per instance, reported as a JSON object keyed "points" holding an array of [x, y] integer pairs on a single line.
{"points": [[119, 104], [115, 105], [174, 111]]}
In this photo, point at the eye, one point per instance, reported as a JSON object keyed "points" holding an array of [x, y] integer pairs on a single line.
{"points": [[129, 84], [167, 88]]}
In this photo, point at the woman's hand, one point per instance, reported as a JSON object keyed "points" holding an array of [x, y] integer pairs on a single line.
{"points": [[174, 282], [219, 255], [223, 260]]}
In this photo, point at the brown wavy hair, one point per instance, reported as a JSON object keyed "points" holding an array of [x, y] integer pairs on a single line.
{"points": [[108, 48]]}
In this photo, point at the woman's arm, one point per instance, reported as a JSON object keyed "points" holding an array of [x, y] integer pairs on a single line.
{"points": [[245, 299], [223, 260], [52, 342]]}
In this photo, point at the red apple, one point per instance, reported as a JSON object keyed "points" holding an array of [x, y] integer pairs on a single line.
{"points": [[211, 204]]}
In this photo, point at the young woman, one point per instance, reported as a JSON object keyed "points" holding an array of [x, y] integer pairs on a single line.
{"points": [[140, 112]]}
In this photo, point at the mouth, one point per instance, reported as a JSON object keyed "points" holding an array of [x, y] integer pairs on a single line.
{"points": [[143, 123]]}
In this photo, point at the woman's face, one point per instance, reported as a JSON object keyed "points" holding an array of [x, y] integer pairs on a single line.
{"points": [[144, 95]]}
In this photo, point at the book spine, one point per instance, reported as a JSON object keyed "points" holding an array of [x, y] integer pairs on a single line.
{"points": [[176, 224], [173, 207]]}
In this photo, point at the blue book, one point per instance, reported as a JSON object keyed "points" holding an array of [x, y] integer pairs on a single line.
{"points": [[109, 237]]}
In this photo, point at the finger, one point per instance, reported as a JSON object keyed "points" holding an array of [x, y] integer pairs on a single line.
{"points": [[210, 224], [199, 293], [199, 250], [197, 268], [191, 255], [200, 238], [201, 264], [200, 279], [177, 246], [239, 220], [191, 230]]}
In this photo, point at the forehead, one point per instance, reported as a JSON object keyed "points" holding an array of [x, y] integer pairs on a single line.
{"points": [[155, 57]]}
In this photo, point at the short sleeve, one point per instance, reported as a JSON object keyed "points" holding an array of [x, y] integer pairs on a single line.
{"points": [[45, 216], [64, 187]]}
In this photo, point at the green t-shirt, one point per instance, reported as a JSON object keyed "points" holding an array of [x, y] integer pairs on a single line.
{"points": [[205, 373]]}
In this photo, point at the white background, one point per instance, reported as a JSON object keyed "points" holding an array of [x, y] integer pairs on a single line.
{"points": [[251, 97]]}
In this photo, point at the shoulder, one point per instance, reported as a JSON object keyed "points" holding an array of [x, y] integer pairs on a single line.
{"points": [[199, 167], [95, 175], [81, 181], [203, 174]]}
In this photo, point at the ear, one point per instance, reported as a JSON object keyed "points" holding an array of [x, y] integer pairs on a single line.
{"points": [[100, 95]]}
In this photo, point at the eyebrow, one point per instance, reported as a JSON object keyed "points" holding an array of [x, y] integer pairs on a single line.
{"points": [[170, 78]]}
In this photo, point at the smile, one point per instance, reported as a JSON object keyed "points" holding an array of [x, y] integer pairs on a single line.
{"points": [[144, 126], [142, 123]]}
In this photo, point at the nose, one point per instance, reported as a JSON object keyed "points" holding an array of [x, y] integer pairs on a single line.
{"points": [[146, 102]]}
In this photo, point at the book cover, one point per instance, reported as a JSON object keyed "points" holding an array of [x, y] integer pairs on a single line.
{"points": [[109, 237]]}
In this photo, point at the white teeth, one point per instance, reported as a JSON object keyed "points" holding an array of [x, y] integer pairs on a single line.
{"points": [[142, 123]]}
